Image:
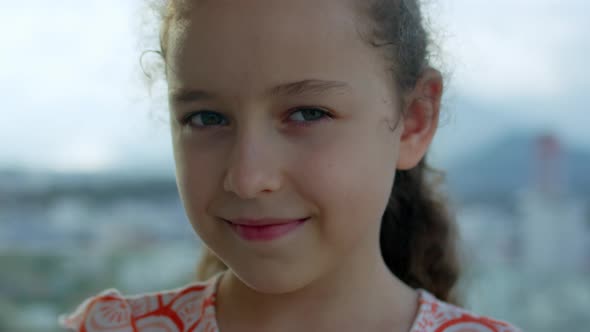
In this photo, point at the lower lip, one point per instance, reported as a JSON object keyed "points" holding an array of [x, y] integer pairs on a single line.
{"points": [[267, 232]]}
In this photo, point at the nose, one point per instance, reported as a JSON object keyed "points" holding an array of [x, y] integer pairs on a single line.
{"points": [[253, 167]]}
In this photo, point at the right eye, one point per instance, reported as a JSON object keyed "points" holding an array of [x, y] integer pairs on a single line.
{"points": [[203, 119]]}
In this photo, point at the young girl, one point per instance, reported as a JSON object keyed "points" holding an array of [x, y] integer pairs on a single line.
{"points": [[300, 129]]}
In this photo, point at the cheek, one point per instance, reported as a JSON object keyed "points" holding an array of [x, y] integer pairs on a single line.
{"points": [[197, 177], [350, 181]]}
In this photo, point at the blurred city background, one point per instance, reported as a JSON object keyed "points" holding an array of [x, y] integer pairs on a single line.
{"points": [[87, 192]]}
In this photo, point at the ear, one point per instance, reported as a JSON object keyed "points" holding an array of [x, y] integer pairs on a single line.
{"points": [[420, 118]]}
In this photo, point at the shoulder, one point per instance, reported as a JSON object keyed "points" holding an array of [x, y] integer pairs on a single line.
{"points": [[438, 316], [171, 310]]}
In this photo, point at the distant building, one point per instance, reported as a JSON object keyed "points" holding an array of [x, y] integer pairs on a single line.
{"points": [[553, 232]]}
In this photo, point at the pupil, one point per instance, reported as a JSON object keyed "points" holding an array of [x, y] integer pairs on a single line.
{"points": [[310, 113], [210, 118]]}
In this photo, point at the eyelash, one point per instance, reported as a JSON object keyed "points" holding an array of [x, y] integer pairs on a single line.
{"points": [[325, 115]]}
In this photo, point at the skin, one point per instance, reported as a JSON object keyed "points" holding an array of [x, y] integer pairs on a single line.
{"points": [[260, 155]]}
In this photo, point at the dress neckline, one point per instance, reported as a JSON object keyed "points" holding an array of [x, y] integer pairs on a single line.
{"points": [[423, 297]]}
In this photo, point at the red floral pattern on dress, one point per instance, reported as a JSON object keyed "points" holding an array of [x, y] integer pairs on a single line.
{"points": [[437, 316], [192, 309]]}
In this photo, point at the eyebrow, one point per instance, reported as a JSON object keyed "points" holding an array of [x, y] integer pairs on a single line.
{"points": [[309, 86], [298, 88]]}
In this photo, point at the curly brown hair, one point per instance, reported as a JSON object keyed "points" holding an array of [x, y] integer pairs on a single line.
{"points": [[418, 236]]}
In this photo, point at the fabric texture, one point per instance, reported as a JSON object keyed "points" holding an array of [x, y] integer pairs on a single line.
{"points": [[192, 309]]}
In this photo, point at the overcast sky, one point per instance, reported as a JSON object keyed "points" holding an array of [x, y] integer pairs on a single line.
{"points": [[72, 97]]}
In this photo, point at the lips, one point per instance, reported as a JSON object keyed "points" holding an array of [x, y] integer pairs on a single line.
{"points": [[264, 229], [263, 222]]}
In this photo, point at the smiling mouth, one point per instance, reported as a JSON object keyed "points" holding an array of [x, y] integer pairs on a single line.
{"points": [[264, 229]]}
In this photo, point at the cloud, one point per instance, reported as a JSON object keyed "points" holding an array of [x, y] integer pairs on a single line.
{"points": [[72, 95], [515, 49], [515, 65]]}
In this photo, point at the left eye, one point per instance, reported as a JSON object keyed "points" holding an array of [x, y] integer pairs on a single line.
{"points": [[308, 114]]}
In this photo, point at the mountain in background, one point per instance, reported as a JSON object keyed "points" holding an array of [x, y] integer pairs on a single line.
{"points": [[520, 161]]}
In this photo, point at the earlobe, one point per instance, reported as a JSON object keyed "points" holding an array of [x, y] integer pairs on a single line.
{"points": [[420, 119]]}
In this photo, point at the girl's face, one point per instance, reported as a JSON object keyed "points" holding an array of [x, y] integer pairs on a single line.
{"points": [[280, 110]]}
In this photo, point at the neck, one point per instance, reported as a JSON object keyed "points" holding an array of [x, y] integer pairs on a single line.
{"points": [[367, 295]]}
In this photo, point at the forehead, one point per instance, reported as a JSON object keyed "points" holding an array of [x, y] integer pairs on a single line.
{"points": [[233, 46]]}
